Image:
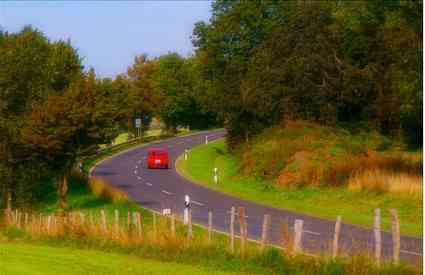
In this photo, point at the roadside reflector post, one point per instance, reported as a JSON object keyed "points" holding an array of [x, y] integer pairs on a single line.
{"points": [[215, 175], [186, 154], [206, 139], [186, 209], [166, 211]]}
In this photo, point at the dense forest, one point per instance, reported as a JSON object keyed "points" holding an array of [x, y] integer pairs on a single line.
{"points": [[349, 63], [353, 64]]}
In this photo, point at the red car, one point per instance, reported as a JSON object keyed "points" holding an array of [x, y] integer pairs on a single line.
{"points": [[157, 158]]}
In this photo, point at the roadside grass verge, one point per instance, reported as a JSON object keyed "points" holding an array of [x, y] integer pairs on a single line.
{"points": [[321, 201], [214, 258], [19, 258]]}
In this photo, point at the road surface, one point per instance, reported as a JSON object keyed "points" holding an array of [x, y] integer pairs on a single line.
{"points": [[158, 189]]}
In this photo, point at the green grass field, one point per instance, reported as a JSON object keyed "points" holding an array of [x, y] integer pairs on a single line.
{"points": [[19, 259], [356, 208]]}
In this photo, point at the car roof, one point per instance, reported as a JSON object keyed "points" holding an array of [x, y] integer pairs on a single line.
{"points": [[157, 149]]}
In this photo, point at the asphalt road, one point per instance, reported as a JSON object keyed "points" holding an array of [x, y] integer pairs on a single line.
{"points": [[158, 189]]}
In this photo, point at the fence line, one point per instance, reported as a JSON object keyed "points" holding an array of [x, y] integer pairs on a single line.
{"points": [[130, 227]]}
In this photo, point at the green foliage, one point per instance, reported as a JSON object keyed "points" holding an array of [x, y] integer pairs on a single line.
{"points": [[32, 68], [340, 62], [177, 80]]}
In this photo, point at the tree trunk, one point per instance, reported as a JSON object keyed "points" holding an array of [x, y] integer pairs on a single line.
{"points": [[62, 191]]}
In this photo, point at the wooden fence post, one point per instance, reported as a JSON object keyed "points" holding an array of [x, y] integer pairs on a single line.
{"points": [[232, 229], [16, 217], [128, 221], [242, 228], [265, 230], [210, 224], [378, 237], [134, 226], [154, 225], [298, 227], [117, 221], [25, 220], [395, 226], [92, 222], [49, 220], [189, 226], [173, 225], [82, 219], [103, 221], [336, 237], [139, 224]]}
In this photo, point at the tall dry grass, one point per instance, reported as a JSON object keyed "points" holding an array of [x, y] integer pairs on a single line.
{"points": [[104, 190], [157, 241], [384, 181]]}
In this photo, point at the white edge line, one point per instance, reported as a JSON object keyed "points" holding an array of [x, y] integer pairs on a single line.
{"points": [[410, 252], [166, 192], [148, 183], [311, 232], [197, 203]]}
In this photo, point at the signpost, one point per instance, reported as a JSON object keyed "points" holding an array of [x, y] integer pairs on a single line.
{"points": [[138, 122]]}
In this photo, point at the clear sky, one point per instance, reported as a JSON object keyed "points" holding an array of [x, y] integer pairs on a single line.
{"points": [[109, 34]]}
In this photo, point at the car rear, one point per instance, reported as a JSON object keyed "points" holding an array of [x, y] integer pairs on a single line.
{"points": [[157, 158]]}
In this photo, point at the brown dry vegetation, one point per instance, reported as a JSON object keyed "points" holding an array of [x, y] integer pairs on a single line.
{"points": [[101, 189], [87, 230], [301, 153]]}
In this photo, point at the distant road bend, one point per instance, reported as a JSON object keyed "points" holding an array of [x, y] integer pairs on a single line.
{"points": [[157, 189]]}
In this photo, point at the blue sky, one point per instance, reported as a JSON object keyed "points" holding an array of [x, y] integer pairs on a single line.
{"points": [[109, 34]]}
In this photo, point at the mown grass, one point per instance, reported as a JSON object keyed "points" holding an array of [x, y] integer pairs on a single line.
{"points": [[97, 253], [326, 202], [19, 258]]}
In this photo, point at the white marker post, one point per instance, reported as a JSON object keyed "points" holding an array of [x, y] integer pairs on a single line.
{"points": [[166, 211], [185, 154], [186, 209], [206, 139], [215, 175]]}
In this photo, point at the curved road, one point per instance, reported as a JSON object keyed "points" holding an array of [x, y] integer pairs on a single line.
{"points": [[157, 189]]}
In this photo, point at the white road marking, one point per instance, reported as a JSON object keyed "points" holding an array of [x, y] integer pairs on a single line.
{"points": [[410, 252], [311, 232], [148, 183], [139, 178], [166, 192], [135, 171], [197, 203], [137, 166]]}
